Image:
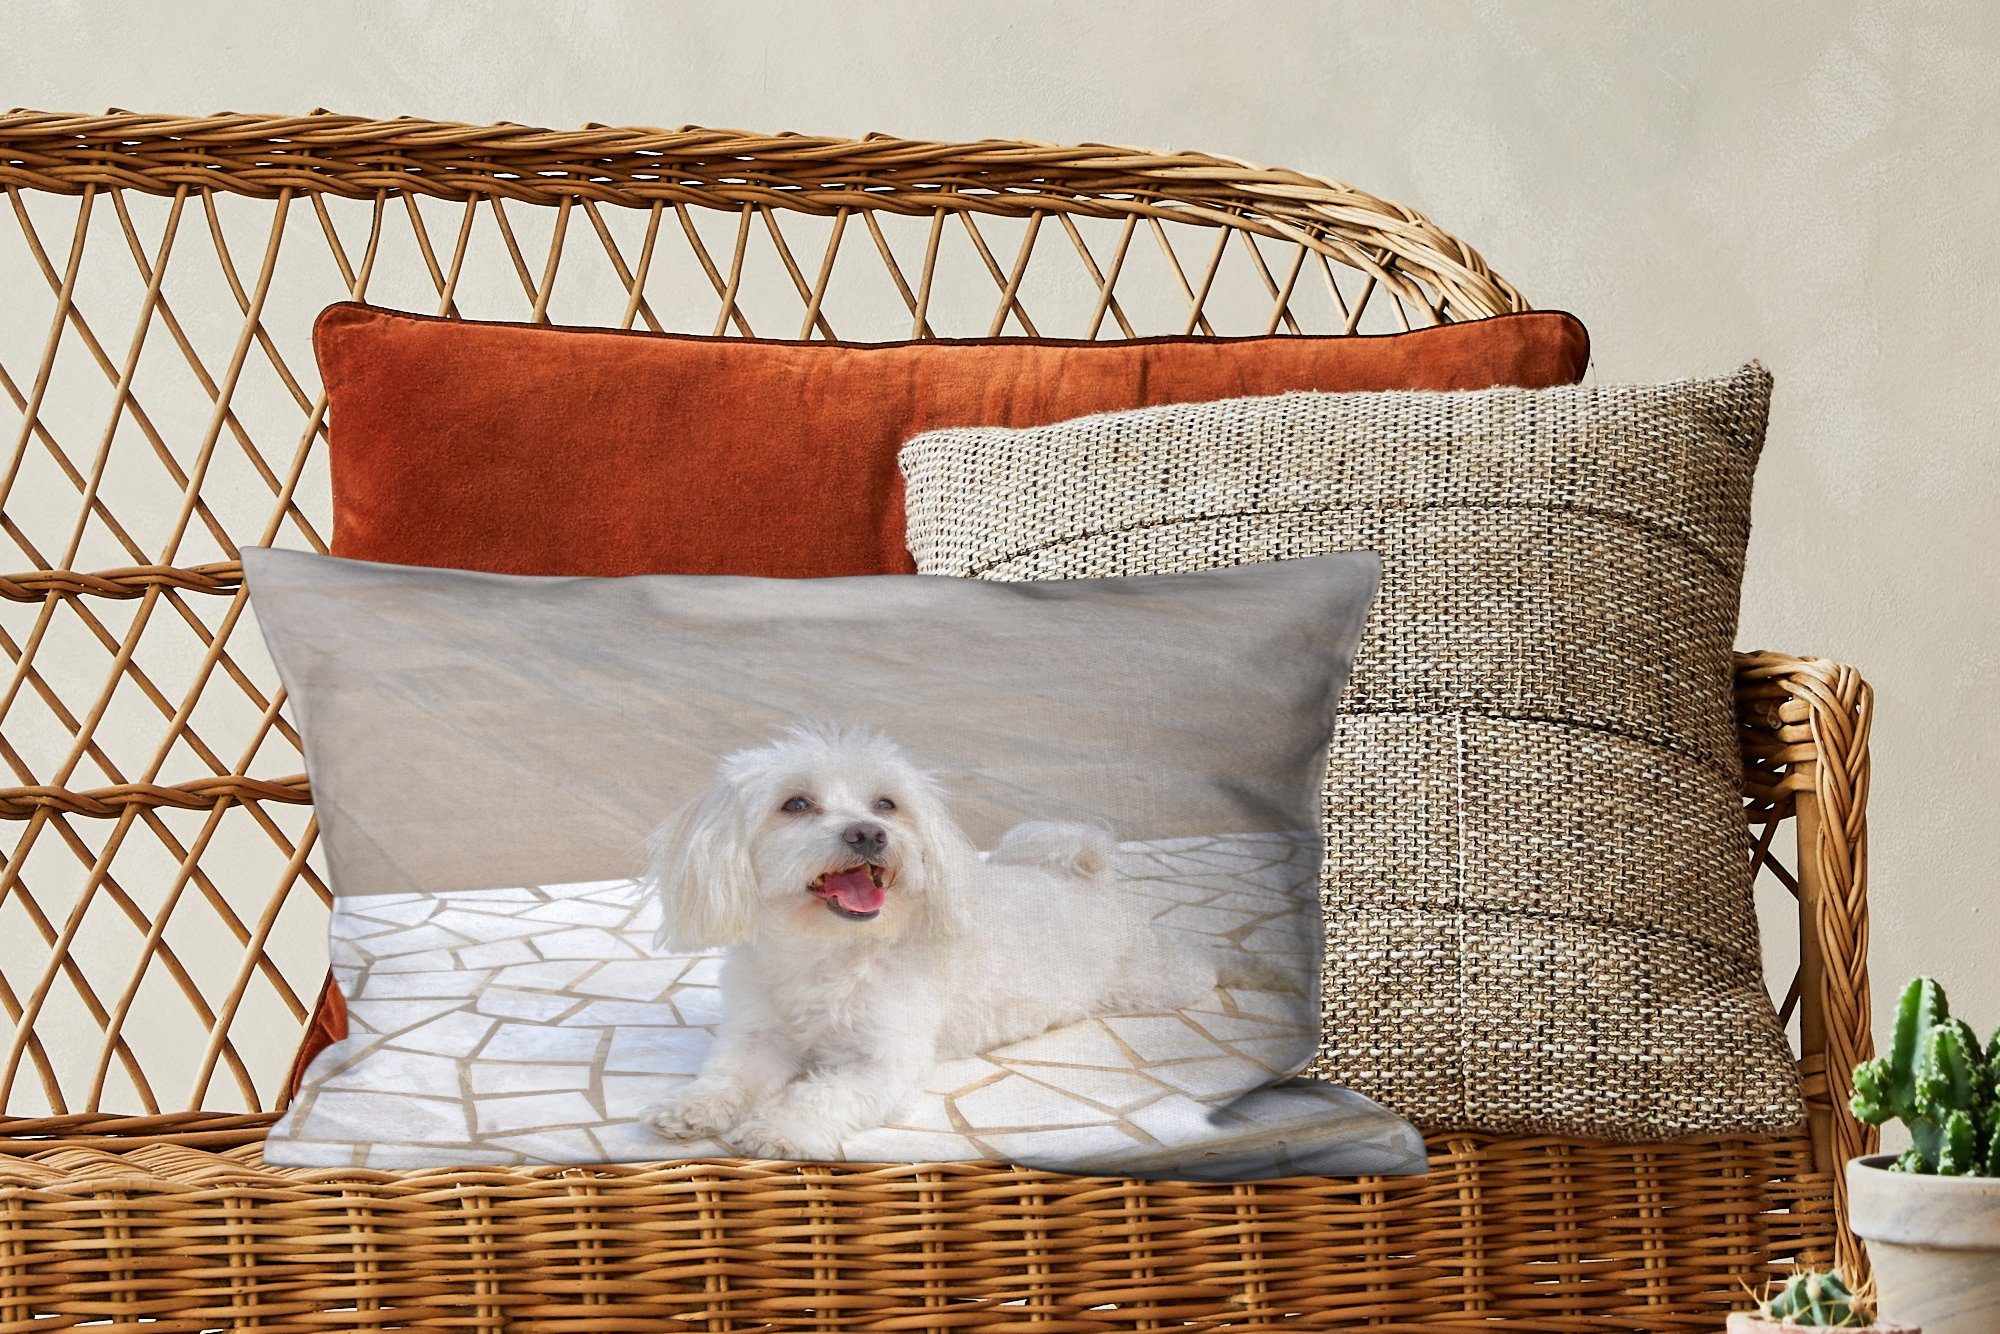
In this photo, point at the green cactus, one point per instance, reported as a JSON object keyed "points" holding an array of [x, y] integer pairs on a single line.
{"points": [[1817, 1301], [1958, 1156], [1940, 1082]]}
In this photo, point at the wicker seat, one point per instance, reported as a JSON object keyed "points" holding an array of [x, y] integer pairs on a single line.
{"points": [[161, 910]]}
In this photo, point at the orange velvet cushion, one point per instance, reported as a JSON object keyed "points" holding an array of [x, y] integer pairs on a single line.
{"points": [[532, 449]]}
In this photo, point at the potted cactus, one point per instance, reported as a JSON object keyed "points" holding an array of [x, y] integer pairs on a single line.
{"points": [[1813, 1300], [1931, 1216]]}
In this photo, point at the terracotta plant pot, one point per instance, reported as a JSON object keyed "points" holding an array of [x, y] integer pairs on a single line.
{"points": [[1744, 1322], [1934, 1242]]}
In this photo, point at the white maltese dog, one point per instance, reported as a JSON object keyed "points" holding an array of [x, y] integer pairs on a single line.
{"points": [[867, 940]]}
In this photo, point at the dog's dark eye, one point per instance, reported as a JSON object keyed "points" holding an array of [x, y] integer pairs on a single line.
{"points": [[796, 805], [884, 804]]}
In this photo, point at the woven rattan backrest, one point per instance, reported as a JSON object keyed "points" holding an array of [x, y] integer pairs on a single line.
{"points": [[161, 917]]}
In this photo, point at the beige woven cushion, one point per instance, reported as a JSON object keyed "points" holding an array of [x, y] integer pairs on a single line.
{"points": [[1537, 897]]}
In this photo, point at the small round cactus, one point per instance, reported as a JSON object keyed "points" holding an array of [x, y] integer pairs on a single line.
{"points": [[1817, 1301]]}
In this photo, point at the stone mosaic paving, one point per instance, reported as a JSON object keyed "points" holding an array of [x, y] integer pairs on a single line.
{"points": [[535, 1025]]}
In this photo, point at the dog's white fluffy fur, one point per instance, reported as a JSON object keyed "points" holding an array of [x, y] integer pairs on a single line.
{"points": [[831, 1018]]}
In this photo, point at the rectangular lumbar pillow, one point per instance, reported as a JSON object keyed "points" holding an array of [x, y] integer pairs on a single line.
{"points": [[874, 869], [1537, 902], [532, 449]]}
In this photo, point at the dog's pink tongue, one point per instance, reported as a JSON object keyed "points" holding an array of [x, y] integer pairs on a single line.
{"points": [[854, 890]]}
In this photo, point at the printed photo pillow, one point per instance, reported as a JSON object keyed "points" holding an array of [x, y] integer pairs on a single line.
{"points": [[867, 869]]}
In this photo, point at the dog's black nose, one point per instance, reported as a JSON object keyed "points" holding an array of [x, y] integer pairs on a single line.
{"points": [[866, 839]]}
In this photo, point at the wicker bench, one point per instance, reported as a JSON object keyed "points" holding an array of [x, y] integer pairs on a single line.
{"points": [[159, 901]]}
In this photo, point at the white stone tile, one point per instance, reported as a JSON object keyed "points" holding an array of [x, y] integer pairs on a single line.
{"points": [[1259, 902], [1224, 857], [894, 1144], [423, 961], [387, 1070], [502, 1078], [288, 1149], [552, 1146], [704, 971], [1115, 1090], [393, 1016], [1281, 843], [1230, 1027], [497, 954], [542, 1042], [396, 909], [1284, 1054], [343, 1115], [925, 1111], [1211, 1080], [601, 891], [1166, 893], [559, 1011], [1269, 1004], [636, 979], [952, 1077], [480, 926], [577, 912], [454, 1034], [1176, 1119], [611, 1014], [1201, 891], [1207, 920], [1073, 1044], [1062, 1150], [1283, 941], [698, 1007], [410, 1157], [1165, 845], [657, 1051], [514, 894], [539, 1006], [636, 1142], [1159, 1037], [534, 1112], [413, 941], [1015, 1101], [630, 1097], [553, 975], [582, 942], [392, 986], [363, 931]]}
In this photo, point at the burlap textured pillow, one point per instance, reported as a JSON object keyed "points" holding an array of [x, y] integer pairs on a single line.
{"points": [[1537, 902]]}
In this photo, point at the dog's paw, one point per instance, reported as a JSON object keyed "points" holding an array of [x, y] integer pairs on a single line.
{"points": [[694, 1115], [775, 1134]]}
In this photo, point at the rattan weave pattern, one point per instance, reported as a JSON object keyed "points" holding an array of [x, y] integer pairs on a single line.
{"points": [[160, 274], [1563, 1238]]}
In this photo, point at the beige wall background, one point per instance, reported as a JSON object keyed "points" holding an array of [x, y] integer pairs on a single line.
{"points": [[1813, 184]]}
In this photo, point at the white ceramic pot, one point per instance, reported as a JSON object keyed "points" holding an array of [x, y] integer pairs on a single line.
{"points": [[1934, 1243]]}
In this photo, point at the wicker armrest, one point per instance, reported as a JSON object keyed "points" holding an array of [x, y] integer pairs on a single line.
{"points": [[1804, 728]]}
